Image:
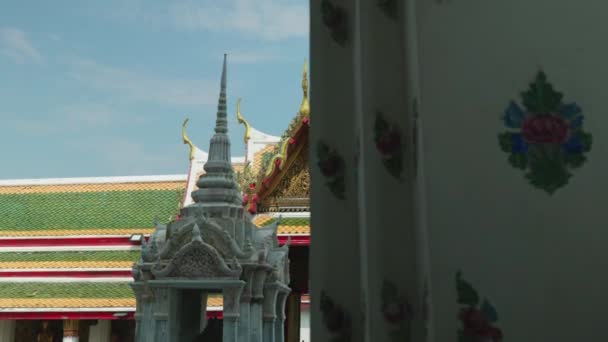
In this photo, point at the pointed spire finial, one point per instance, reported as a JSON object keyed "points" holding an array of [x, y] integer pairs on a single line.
{"points": [[221, 123], [218, 186], [305, 106]]}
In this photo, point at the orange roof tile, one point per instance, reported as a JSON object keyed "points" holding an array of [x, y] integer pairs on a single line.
{"points": [[61, 188], [258, 157]]}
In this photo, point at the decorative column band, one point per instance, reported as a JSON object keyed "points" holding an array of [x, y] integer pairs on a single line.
{"points": [[70, 328]]}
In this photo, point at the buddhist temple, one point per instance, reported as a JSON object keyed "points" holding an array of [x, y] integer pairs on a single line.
{"points": [[68, 245]]}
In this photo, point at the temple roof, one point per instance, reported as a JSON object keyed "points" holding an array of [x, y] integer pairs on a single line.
{"points": [[79, 296], [102, 206], [79, 229], [282, 156], [64, 243]]}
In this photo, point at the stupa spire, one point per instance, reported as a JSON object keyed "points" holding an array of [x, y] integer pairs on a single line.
{"points": [[218, 185], [221, 122]]}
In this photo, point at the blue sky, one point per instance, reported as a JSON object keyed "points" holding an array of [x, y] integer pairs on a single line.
{"points": [[100, 88]]}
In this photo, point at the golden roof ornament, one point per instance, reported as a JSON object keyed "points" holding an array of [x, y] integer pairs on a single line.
{"points": [[242, 121], [187, 140], [305, 106]]}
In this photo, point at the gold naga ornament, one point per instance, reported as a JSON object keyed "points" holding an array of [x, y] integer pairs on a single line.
{"points": [[186, 139]]}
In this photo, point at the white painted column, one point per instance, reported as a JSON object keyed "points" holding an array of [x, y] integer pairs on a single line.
{"points": [[392, 244], [305, 324], [334, 221], [70, 330], [7, 330], [101, 331]]}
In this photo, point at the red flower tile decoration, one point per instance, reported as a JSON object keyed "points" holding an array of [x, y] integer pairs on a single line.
{"points": [[335, 19], [478, 318], [390, 145], [545, 137], [332, 167], [397, 312], [389, 7], [415, 137], [336, 320]]}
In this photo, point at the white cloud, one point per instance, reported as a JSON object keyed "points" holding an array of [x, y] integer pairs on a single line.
{"points": [[269, 20], [16, 46], [141, 87], [266, 19]]}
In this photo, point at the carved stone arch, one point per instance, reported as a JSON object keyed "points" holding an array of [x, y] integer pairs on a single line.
{"points": [[197, 260]]}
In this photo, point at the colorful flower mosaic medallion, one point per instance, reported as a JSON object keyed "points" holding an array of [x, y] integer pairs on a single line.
{"points": [[335, 318], [546, 137], [478, 317], [397, 312], [390, 8], [389, 144], [335, 19], [332, 167]]}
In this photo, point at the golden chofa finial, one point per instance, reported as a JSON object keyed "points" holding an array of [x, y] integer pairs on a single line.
{"points": [[242, 121], [305, 106], [187, 140]]}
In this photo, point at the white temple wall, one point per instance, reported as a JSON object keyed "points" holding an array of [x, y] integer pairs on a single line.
{"points": [[101, 331], [538, 258], [7, 330], [335, 237]]}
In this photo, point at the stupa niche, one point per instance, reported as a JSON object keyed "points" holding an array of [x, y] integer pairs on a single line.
{"points": [[213, 248]]}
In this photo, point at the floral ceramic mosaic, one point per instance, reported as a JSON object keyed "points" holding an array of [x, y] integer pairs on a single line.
{"points": [[545, 136], [389, 144], [397, 312], [336, 320], [332, 167], [478, 317]]}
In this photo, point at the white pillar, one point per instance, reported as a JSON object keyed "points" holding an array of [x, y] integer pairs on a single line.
{"points": [[70, 330], [7, 330], [334, 220], [375, 233], [101, 331], [392, 247]]}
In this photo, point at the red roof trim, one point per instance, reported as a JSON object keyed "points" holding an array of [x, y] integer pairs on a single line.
{"points": [[101, 241], [76, 241], [300, 136], [296, 240], [67, 273]]}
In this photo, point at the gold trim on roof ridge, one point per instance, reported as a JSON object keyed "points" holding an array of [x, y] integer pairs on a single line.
{"points": [[102, 187], [282, 154], [7, 303], [241, 119], [305, 106], [186, 139]]}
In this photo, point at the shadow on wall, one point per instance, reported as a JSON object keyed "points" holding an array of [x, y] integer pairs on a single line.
{"points": [[212, 333]]}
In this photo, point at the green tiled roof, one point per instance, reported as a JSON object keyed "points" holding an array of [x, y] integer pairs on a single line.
{"points": [[84, 210], [65, 290], [70, 256]]}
